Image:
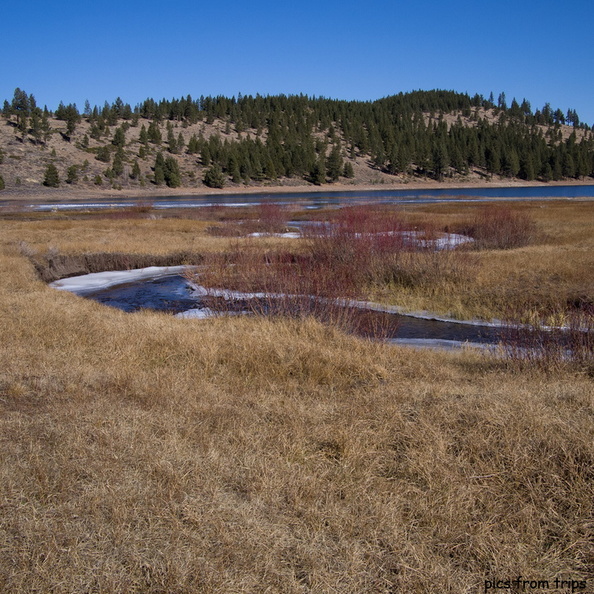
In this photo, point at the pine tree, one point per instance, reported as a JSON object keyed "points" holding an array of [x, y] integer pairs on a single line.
{"points": [[334, 165], [20, 102], [51, 178], [348, 172], [193, 145], [154, 134], [70, 115], [441, 160], [22, 125], [159, 169], [213, 178], [270, 169], [103, 154], [233, 169], [135, 170], [527, 169], [119, 137], [118, 162], [568, 165], [546, 172], [501, 103], [143, 136], [72, 174], [512, 163], [35, 124], [205, 156], [171, 139], [171, 172], [318, 172]]}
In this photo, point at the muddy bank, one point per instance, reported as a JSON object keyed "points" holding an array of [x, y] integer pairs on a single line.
{"points": [[54, 266]]}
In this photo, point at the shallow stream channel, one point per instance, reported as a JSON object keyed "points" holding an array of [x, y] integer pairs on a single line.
{"points": [[165, 289]]}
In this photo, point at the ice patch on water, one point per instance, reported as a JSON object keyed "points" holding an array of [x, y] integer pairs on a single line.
{"points": [[288, 235], [102, 280], [198, 313]]}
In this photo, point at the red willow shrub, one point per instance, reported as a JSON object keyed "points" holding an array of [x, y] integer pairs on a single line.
{"points": [[341, 259], [338, 260], [266, 217], [356, 245], [289, 285], [271, 218], [553, 348], [500, 227]]}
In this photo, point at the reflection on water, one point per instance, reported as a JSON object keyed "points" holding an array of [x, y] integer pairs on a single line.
{"points": [[173, 294]]}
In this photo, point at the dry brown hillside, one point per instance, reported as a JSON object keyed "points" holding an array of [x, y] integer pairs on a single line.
{"points": [[23, 161]]}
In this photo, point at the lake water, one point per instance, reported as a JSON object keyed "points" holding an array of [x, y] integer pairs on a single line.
{"points": [[323, 199]]}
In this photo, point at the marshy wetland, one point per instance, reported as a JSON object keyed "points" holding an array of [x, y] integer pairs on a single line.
{"points": [[237, 454]]}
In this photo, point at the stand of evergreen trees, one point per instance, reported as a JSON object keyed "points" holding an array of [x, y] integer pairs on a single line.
{"points": [[317, 138]]}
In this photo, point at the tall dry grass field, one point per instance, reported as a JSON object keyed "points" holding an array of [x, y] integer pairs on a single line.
{"points": [[553, 271], [144, 453]]}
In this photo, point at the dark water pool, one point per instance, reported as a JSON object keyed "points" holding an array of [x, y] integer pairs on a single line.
{"points": [[173, 294]]}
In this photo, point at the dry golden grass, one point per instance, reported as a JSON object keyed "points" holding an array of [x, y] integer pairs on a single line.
{"points": [[555, 271], [143, 453]]}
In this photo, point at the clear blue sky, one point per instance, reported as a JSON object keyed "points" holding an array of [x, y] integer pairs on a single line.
{"points": [[539, 50]]}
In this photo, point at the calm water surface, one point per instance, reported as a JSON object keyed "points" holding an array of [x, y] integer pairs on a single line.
{"points": [[323, 199]]}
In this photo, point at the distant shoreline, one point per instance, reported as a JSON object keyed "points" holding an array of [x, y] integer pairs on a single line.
{"points": [[150, 192]]}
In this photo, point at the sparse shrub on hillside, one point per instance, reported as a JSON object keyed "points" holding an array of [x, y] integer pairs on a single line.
{"points": [[2, 184]]}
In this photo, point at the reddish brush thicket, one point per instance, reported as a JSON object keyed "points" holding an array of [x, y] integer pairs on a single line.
{"points": [[500, 227], [271, 218], [553, 348], [341, 259], [357, 241], [266, 217]]}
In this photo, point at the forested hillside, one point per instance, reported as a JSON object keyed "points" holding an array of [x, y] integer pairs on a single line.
{"points": [[289, 140]]}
